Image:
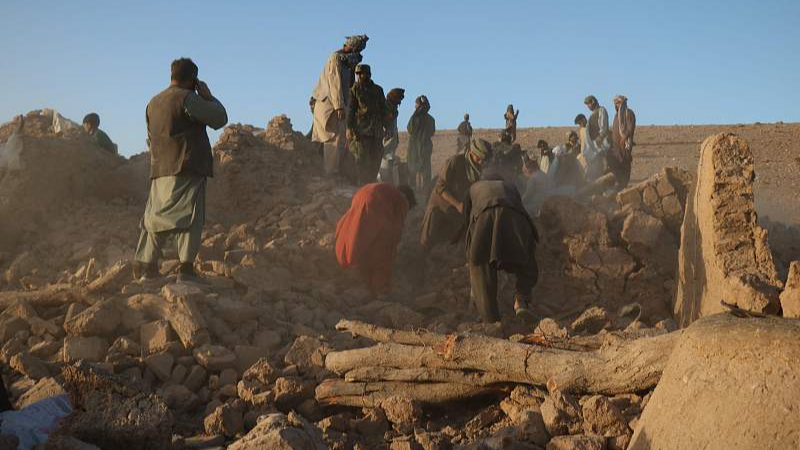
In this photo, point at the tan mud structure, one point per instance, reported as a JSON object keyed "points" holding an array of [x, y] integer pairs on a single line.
{"points": [[724, 254], [731, 383]]}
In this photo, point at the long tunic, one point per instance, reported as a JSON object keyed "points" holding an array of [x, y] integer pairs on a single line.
{"points": [[367, 235], [597, 128], [500, 231], [623, 135], [390, 144], [464, 135], [442, 221], [174, 203], [331, 93], [421, 128]]}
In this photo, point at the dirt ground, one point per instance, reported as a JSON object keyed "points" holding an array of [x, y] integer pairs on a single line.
{"points": [[776, 147]]}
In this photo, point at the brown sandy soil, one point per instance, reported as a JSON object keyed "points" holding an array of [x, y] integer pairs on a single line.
{"points": [[776, 148]]}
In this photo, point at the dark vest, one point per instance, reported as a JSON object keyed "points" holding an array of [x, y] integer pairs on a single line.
{"points": [[178, 144]]}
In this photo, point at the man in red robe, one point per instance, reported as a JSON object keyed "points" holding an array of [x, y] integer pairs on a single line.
{"points": [[367, 235]]}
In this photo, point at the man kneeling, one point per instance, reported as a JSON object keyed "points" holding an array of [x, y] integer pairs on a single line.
{"points": [[500, 236], [367, 235]]}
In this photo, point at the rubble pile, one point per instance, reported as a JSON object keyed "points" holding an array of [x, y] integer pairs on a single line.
{"points": [[249, 361]]}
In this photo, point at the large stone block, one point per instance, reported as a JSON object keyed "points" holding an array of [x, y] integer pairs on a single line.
{"points": [[730, 383], [724, 254]]}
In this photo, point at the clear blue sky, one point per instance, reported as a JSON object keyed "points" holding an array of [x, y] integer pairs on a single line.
{"points": [[685, 62]]}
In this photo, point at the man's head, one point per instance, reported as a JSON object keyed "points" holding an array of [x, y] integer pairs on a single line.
{"points": [[510, 108], [480, 151], [396, 95], [355, 44], [544, 147], [408, 193], [580, 120], [91, 122], [619, 100], [591, 102], [466, 117], [572, 138], [363, 73], [184, 73], [422, 103]]}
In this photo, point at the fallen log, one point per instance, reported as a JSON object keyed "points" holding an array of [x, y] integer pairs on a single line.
{"points": [[53, 295], [616, 368], [423, 375], [368, 394]]}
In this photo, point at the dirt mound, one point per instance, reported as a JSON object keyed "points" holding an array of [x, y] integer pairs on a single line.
{"points": [[730, 383]]}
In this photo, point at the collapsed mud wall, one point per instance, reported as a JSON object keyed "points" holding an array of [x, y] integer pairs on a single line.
{"points": [[725, 255]]}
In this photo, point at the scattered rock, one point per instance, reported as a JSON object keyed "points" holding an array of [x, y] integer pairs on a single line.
{"points": [[561, 414], [602, 417]]}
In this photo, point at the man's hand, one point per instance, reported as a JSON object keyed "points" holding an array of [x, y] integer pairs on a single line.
{"points": [[340, 114], [388, 134], [203, 90], [350, 135], [460, 207]]}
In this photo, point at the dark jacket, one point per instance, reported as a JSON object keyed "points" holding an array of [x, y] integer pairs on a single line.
{"points": [[499, 230], [179, 145]]}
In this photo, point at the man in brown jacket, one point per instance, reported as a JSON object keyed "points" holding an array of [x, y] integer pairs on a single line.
{"points": [[500, 236], [180, 162]]}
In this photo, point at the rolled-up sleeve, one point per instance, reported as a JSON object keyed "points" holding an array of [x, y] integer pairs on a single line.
{"points": [[210, 113]]}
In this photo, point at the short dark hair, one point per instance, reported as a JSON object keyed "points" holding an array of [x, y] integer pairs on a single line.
{"points": [[542, 144], [183, 69], [580, 118], [409, 194], [92, 119]]}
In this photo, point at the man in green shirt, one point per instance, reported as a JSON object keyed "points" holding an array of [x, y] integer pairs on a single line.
{"points": [[180, 161], [368, 121], [91, 124]]}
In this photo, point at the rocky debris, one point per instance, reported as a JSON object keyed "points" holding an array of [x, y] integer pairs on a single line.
{"points": [[725, 255], [111, 414], [215, 358], [278, 431], [730, 383], [662, 196], [100, 319], [602, 417], [790, 297], [29, 366], [577, 442], [44, 388], [561, 414], [91, 349], [227, 419]]}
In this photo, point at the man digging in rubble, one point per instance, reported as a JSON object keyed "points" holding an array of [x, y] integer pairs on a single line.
{"points": [[330, 101], [500, 235], [620, 158], [368, 121], [91, 125], [180, 162], [367, 235], [443, 215]]}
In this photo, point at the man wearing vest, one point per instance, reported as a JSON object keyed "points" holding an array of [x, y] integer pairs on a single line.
{"points": [[180, 162]]}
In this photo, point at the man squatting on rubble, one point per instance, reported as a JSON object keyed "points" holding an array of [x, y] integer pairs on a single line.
{"points": [[500, 235], [367, 235], [180, 162], [368, 122], [330, 102], [444, 214]]}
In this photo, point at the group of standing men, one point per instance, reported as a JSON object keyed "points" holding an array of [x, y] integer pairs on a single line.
{"points": [[357, 125]]}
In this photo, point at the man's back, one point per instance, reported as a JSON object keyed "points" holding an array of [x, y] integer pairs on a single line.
{"points": [[178, 144]]}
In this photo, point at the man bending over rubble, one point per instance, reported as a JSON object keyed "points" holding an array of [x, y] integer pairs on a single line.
{"points": [[180, 162], [500, 235], [367, 235]]}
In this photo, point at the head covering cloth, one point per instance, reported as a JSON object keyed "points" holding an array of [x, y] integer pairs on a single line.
{"points": [[358, 42]]}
